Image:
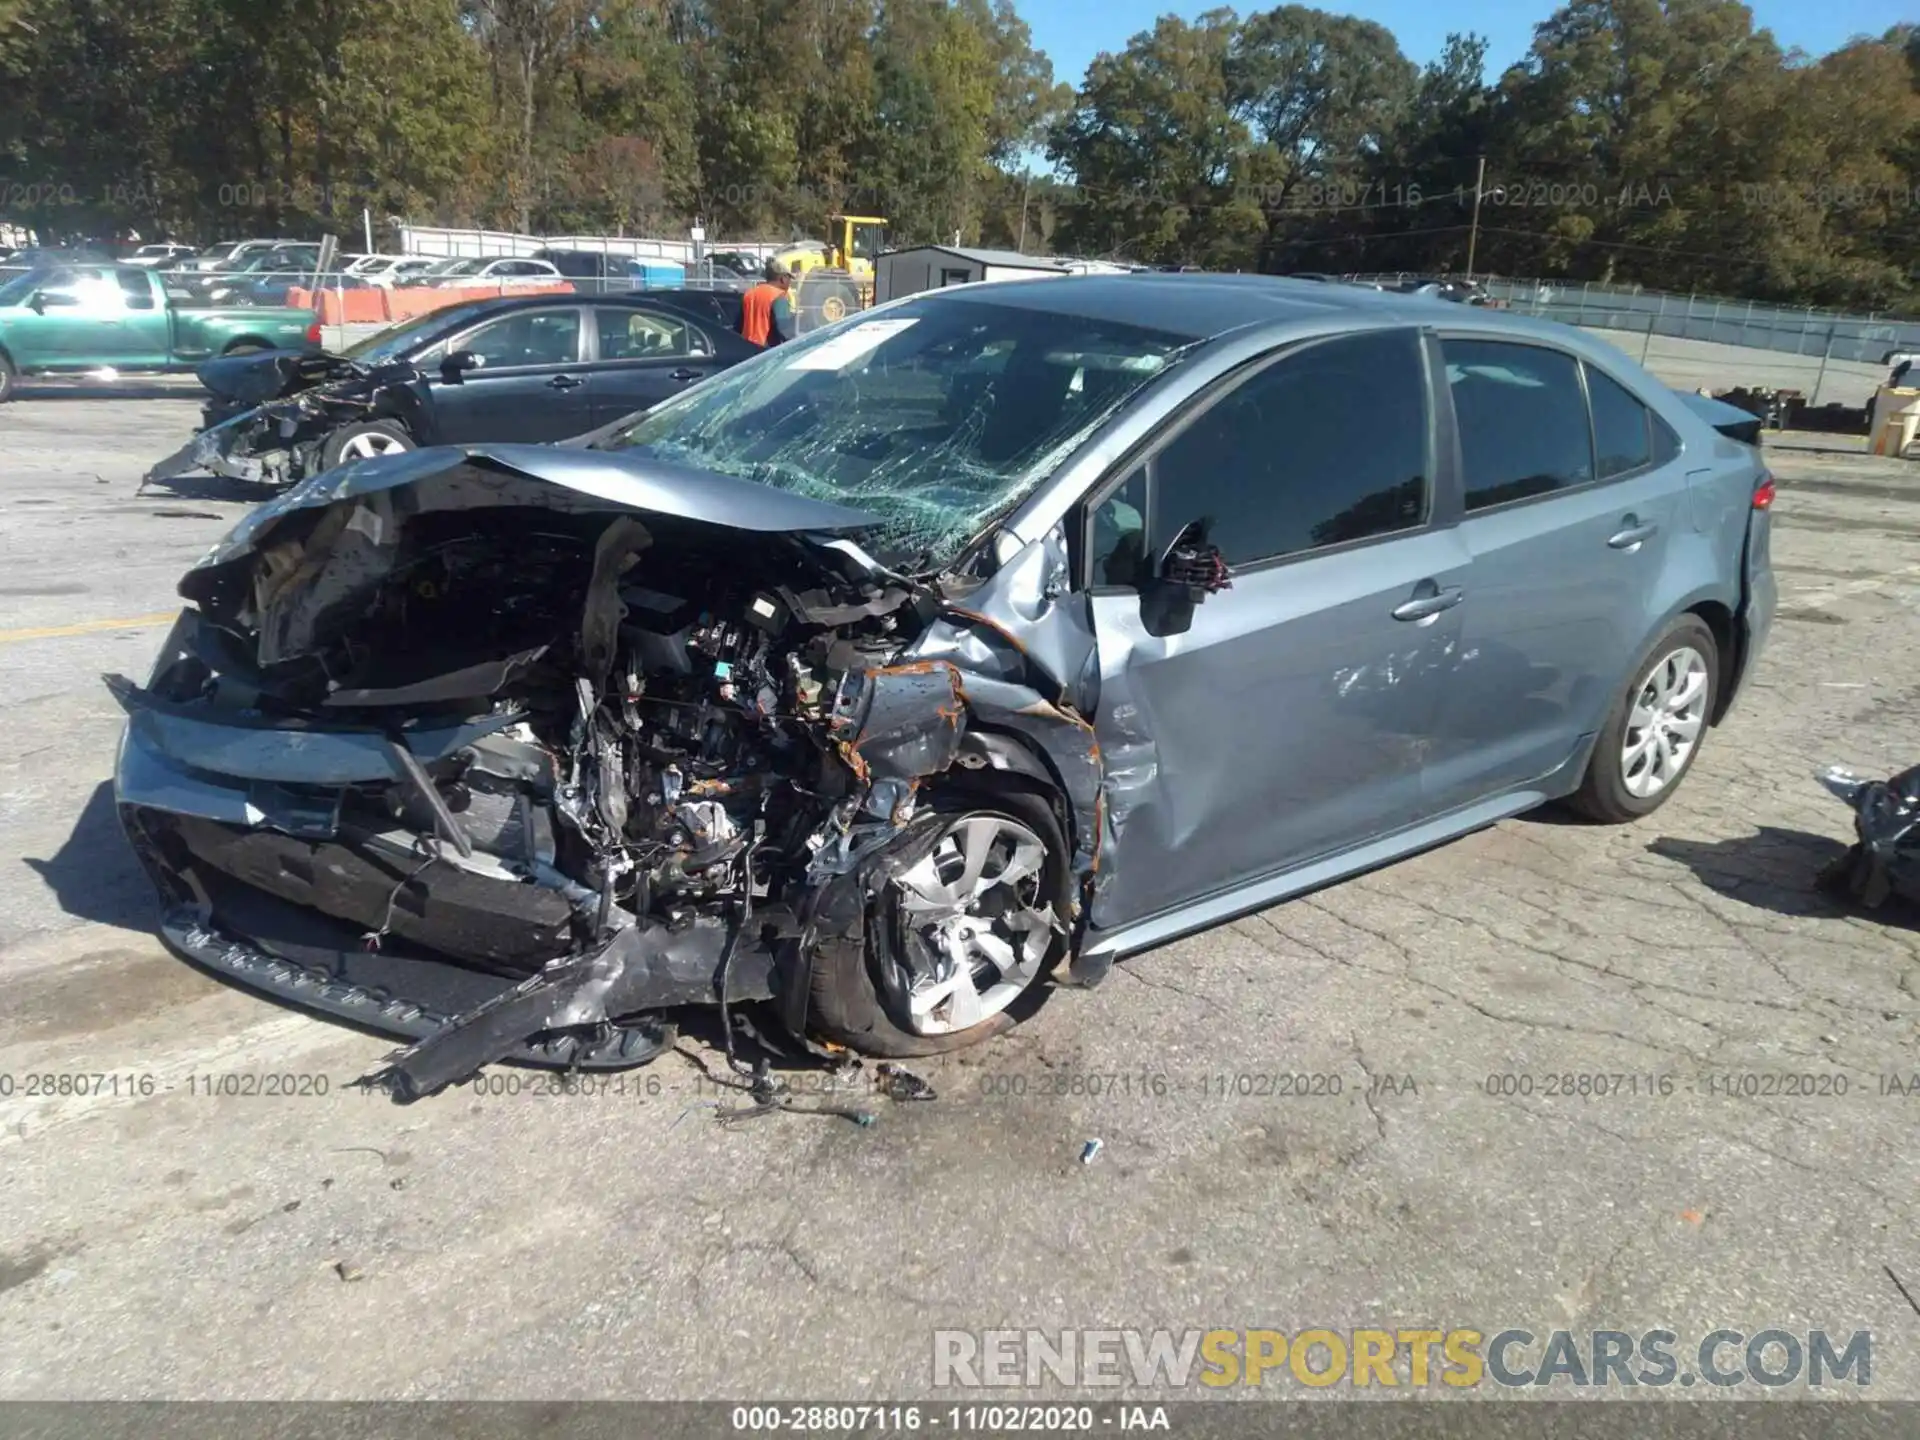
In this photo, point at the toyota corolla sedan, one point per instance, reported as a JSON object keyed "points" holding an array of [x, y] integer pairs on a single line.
{"points": [[946, 655]]}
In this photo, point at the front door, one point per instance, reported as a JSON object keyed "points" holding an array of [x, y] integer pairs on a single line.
{"points": [[79, 313], [1290, 721], [1567, 538], [533, 387]]}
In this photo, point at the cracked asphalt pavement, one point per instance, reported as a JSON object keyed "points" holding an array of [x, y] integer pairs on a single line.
{"points": [[179, 1239]]}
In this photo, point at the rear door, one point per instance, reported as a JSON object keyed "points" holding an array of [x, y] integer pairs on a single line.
{"points": [[1569, 507], [533, 387], [1289, 721], [643, 357]]}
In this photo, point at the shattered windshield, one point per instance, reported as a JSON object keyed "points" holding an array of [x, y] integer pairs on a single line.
{"points": [[393, 342], [934, 416]]}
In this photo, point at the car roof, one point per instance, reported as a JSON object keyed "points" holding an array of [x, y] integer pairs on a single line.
{"points": [[1202, 307], [506, 305]]}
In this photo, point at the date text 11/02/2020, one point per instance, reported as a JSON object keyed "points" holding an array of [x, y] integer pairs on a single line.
{"points": [[144, 1085]]}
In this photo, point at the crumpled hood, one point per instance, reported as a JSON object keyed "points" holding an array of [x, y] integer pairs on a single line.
{"points": [[581, 480], [269, 374]]}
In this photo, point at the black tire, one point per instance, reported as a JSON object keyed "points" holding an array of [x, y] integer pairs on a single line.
{"points": [[9, 379], [858, 995], [824, 300], [247, 345], [1603, 794], [332, 451]]}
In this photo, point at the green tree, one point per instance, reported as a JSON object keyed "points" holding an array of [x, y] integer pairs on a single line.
{"points": [[1155, 153], [1320, 95]]}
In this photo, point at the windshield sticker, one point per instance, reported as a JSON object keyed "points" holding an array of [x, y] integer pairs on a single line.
{"points": [[843, 350]]}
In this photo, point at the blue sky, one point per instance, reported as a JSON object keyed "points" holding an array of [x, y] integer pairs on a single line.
{"points": [[1072, 32]]}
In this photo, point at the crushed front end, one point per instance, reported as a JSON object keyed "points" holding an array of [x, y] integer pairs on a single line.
{"points": [[516, 752], [269, 417]]}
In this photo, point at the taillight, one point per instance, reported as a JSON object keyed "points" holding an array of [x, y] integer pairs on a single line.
{"points": [[1763, 492], [313, 333]]}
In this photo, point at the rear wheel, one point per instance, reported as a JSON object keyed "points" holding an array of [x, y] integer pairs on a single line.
{"points": [[1653, 733], [247, 346], [958, 945], [365, 441], [825, 299]]}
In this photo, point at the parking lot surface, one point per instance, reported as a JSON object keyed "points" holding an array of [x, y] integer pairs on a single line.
{"points": [[168, 1234]]}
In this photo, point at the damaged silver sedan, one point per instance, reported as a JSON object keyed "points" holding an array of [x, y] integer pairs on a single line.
{"points": [[901, 672]]}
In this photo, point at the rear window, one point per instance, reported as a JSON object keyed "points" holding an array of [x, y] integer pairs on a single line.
{"points": [[1522, 418], [1622, 427]]}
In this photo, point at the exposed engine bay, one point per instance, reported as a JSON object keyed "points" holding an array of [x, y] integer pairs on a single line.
{"points": [[624, 760]]}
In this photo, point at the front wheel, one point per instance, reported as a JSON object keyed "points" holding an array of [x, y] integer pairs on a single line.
{"points": [[9, 379], [959, 944], [1653, 733], [365, 441]]}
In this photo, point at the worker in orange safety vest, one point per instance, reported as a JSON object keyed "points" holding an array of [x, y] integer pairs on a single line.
{"points": [[766, 311]]}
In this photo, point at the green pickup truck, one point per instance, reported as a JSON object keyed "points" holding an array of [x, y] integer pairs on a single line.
{"points": [[80, 319]]}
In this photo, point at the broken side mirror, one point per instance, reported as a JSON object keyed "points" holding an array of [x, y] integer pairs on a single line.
{"points": [[1191, 569], [456, 365]]}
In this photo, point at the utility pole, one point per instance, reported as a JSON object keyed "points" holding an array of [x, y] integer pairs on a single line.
{"points": [[1473, 236]]}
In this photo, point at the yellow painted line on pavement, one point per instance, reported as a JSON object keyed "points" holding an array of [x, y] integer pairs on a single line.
{"points": [[86, 627]]}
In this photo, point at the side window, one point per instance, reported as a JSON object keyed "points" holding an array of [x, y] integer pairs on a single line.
{"points": [[1622, 426], [540, 337], [1666, 444], [136, 288], [1117, 539], [1522, 418], [636, 335], [1323, 447]]}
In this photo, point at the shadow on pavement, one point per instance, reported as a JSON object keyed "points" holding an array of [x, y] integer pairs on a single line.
{"points": [[206, 487], [109, 390], [1777, 870], [94, 875]]}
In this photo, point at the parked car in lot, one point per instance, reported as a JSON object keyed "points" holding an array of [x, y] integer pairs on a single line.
{"points": [[482, 270], [514, 369], [387, 271], [232, 282], [161, 257], [591, 272], [985, 637], [227, 253], [68, 319]]}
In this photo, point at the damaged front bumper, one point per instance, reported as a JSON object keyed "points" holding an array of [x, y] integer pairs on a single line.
{"points": [[224, 450], [262, 885]]}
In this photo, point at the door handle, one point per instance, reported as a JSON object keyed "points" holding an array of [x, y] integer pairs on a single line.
{"points": [[683, 375], [1426, 606], [564, 382], [1632, 533]]}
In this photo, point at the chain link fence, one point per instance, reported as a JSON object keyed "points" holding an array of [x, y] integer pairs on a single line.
{"points": [[1705, 340]]}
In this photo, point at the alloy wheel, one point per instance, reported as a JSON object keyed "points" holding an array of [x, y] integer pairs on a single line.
{"points": [[1663, 726], [371, 445], [974, 921]]}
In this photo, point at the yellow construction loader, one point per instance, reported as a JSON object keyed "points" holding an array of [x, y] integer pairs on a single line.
{"points": [[833, 279]]}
